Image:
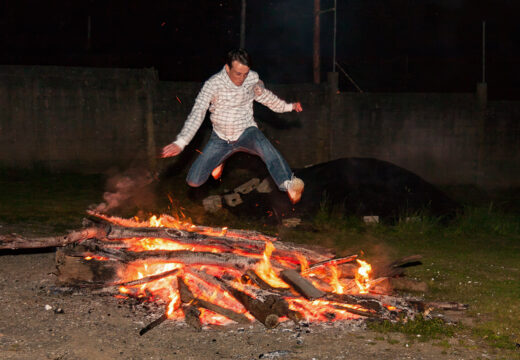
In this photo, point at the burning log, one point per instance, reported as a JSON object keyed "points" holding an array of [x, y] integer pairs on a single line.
{"points": [[227, 238], [188, 297], [301, 285], [148, 279], [80, 270], [251, 275], [267, 311], [365, 302], [192, 316], [331, 262]]}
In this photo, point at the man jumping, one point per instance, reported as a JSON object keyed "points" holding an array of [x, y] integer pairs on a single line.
{"points": [[229, 96]]}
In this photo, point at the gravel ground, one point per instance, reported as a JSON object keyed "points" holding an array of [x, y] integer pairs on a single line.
{"points": [[37, 322]]}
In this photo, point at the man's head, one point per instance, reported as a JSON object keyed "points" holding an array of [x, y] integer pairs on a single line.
{"points": [[237, 66]]}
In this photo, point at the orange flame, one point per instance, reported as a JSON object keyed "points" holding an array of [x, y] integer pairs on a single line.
{"points": [[174, 303], [266, 271], [154, 222], [363, 276], [96, 257], [304, 264], [337, 287]]}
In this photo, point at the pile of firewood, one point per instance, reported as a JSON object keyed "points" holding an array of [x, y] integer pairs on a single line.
{"points": [[99, 256]]}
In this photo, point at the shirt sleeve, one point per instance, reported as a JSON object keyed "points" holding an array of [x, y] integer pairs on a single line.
{"points": [[196, 116], [267, 98]]}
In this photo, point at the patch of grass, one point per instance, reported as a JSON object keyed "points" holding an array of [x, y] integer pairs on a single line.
{"points": [[496, 340], [392, 341], [418, 329], [443, 343], [487, 221], [55, 201]]}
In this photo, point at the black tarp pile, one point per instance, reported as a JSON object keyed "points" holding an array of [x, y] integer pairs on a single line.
{"points": [[354, 186]]}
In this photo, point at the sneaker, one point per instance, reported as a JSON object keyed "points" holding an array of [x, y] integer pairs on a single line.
{"points": [[295, 189], [217, 172]]}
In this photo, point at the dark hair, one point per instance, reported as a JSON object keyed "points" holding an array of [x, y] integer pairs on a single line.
{"points": [[239, 55]]}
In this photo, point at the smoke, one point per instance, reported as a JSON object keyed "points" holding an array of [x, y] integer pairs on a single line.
{"points": [[127, 191]]}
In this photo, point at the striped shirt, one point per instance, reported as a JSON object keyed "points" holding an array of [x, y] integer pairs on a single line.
{"points": [[231, 106]]}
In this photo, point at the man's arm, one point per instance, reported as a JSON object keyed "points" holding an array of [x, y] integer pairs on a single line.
{"points": [[273, 102], [193, 122]]}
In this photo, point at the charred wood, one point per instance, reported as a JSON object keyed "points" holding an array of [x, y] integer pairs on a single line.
{"points": [[77, 271], [192, 316], [267, 311], [148, 279], [363, 301], [188, 297], [331, 262], [232, 238], [301, 285], [453, 306], [15, 241], [153, 324], [361, 312], [251, 275]]}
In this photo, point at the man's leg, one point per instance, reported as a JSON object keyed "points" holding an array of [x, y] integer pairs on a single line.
{"points": [[253, 141], [215, 151]]}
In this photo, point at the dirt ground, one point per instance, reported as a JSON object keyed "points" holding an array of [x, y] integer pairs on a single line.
{"points": [[37, 322]]}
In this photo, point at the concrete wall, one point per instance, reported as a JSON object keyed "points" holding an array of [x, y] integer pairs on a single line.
{"points": [[71, 118], [92, 119]]}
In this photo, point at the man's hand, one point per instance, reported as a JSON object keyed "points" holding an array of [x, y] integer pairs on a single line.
{"points": [[171, 150], [297, 107]]}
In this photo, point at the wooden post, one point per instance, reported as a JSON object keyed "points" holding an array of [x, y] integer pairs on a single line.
{"points": [[149, 89], [243, 25], [316, 43]]}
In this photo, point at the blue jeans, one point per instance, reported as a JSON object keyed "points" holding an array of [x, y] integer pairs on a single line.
{"points": [[251, 141]]}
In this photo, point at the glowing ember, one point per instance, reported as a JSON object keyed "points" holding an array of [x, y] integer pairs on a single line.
{"points": [[96, 257], [322, 310]]}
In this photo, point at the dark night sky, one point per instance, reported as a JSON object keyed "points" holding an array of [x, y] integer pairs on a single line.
{"points": [[385, 45]]}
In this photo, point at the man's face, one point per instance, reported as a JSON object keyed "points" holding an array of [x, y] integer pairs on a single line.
{"points": [[237, 72]]}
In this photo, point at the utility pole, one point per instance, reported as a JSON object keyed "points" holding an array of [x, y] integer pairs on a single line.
{"points": [[482, 86], [316, 43], [243, 25], [89, 33]]}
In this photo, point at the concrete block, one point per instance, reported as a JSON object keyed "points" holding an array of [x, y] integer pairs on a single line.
{"points": [[291, 222], [264, 187], [371, 219], [248, 186], [212, 203], [233, 199]]}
